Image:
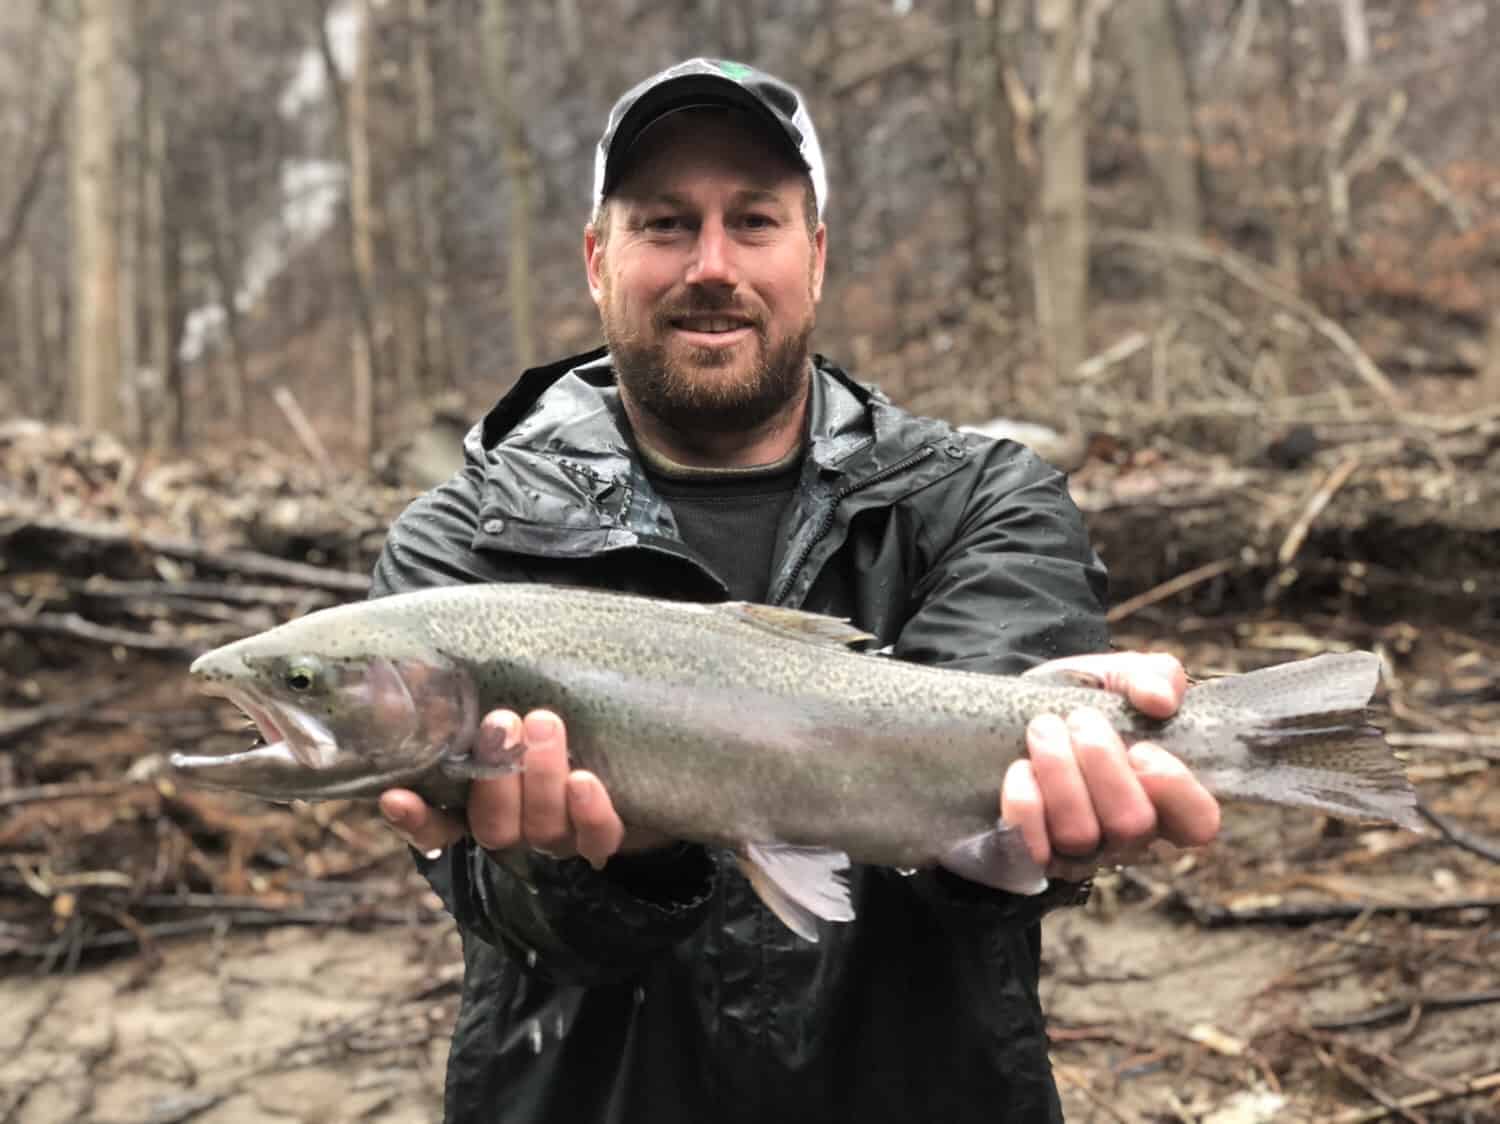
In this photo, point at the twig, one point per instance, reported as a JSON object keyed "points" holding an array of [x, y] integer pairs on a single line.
{"points": [[234, 561], [83, 789], [74, 626], [287, 403], [1354, 1076], [1320, 499], [29, 720], [1461, 837], [1250, 275], [1400, 1008], [1213, 914], [1465, 1087], [1170, 588]]}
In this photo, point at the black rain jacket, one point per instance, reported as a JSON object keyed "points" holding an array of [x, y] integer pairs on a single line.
{"points": [[660, 989]]}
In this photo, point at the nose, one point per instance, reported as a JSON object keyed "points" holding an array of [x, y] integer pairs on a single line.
{"points": [[713, 257]]}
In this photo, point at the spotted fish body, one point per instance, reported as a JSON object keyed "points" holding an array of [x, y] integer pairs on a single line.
{"points": [[749, 727]]}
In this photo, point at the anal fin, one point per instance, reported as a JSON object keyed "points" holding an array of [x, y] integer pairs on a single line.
{"points": [[799, 884], [997, 858]]}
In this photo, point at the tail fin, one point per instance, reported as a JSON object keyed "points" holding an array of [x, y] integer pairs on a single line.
{"points": [[1300, 736]]}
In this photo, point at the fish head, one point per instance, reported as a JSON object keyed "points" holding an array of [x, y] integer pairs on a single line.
{"points": [[337, 719]]}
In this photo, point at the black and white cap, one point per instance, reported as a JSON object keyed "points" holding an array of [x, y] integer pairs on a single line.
{"points": [[709, 82]]}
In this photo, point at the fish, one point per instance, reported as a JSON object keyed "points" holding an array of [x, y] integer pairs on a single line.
{"points": [[758, 729]]}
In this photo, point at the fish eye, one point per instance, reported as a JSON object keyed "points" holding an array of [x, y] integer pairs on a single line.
{"points": [[301, 677]]}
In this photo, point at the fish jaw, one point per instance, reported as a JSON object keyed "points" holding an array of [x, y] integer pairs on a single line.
{"points": [[352, 727]]}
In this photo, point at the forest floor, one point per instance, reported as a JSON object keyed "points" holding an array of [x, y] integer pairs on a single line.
{"points": [[1275, 976], [169, 956]]}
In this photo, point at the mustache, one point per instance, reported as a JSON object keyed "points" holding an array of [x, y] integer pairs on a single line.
{"points": [[703, 305]]}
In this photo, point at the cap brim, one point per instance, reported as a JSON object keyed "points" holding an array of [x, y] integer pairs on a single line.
{"points": [[696, 91]]}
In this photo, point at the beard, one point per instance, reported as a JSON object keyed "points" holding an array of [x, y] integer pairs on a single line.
{"points": [[705, 389]]}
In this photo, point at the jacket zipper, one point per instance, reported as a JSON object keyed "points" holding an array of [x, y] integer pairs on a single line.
{"points": [[826, 523]]}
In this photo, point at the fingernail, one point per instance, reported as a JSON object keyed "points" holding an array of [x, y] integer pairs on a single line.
{"points": [[512, 729], [1048, 732], [394, 817], [1147, 758], [1086, 720]]}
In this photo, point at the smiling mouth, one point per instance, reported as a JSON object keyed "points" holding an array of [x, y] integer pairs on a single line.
{"points": [[710, 325]]}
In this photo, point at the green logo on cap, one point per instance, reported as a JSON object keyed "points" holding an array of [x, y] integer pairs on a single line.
{"points": [[736, 70]]}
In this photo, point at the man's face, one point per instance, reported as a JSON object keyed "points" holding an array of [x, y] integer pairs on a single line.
{"points": [[707, 278]]}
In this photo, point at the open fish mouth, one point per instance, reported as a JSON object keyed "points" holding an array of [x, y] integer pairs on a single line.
{"points": [[288, 732]]}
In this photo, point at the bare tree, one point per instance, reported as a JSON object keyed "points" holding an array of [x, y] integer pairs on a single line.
{"points": [[518, 168], [1356, 34], [352, 110], [96, 323], [1061, 237], [1152, 47], [435, 355]]}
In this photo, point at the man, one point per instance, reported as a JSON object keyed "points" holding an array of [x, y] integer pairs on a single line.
{"points": [[615, 976]]}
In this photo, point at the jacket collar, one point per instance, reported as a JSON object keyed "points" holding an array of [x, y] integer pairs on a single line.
{"points": [[561, 475]]}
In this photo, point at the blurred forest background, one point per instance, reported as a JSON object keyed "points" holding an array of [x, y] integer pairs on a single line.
{"points": [[263, 262], [217, 213]]}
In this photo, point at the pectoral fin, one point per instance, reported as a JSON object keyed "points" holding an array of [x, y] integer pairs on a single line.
{"points": [[799, 884], [996, 858]]}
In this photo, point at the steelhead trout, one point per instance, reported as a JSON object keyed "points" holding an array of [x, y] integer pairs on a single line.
{"points": [[755, 728]]}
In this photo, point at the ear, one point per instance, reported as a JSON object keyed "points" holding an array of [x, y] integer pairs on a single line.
{"points": [[593, 261], [820, 258]]}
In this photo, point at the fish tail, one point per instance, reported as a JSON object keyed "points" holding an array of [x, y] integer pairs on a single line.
{"points": [[1298, 734]]}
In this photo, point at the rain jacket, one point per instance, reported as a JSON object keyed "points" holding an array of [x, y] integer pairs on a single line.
{"points": [[660, 989]]}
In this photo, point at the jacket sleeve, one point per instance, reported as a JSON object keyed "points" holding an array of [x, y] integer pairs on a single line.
{"points": [[1013, 583], [573, 922]]}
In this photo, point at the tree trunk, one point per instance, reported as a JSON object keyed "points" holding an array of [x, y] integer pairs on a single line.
{"points": [[30, 348], [129, 233], [96, 318], [518, 168], [433, 303], [1356, 34], [224, 246], [1062, 238], [161, 400], [362, 233], [352, 126], [1159, 80]]}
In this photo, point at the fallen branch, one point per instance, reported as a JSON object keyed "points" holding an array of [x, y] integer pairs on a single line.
{"points": [[231, 561], [1461, 837], [36, 717], [1464, 1087], [1214, 915], [1401, 1008], [1182, 582]]}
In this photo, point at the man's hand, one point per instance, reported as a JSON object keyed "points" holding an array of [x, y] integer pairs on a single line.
{"points": [[1081, 799], [558, 811]]}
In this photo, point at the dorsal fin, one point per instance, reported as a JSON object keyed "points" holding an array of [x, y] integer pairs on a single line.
{"points": [[813, 628]]}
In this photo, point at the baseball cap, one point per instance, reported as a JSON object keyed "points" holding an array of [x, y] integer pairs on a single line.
{"points": [[709, 82]]}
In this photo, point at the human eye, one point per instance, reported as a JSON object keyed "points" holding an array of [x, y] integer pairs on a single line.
{"points": [[664, 224], [758, 221]]}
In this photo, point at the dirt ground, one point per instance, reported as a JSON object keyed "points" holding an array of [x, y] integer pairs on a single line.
{"points": [[1154, 1017]]}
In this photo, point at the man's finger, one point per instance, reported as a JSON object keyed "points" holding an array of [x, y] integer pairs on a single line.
{"points": [[422, 826], [1071, 824], [598, 831], [1021, 807], [1187, 813], [544, 808], [1124, 811], [494, 804]]}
